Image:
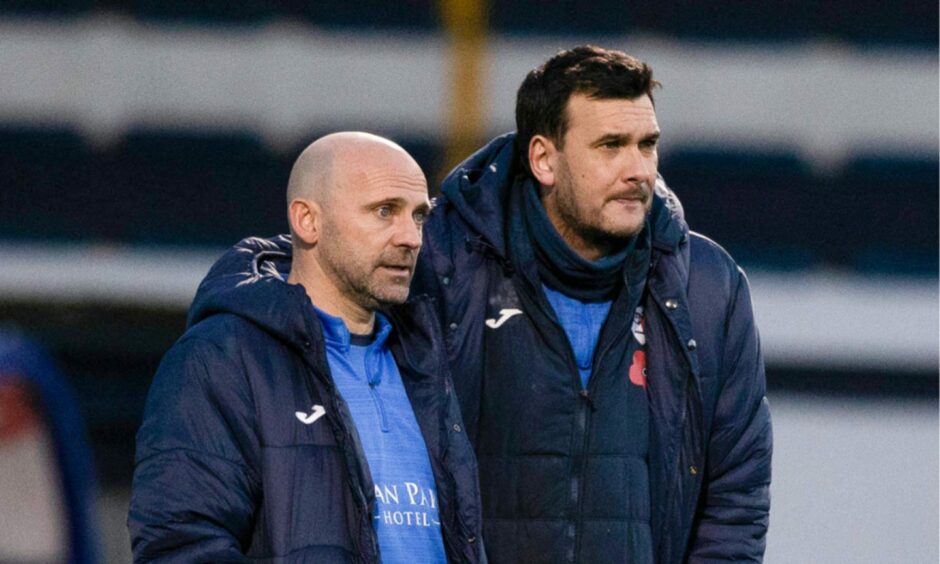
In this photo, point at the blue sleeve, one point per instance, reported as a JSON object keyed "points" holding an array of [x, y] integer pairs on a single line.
{"points": [[194, 490], [732, 522]]}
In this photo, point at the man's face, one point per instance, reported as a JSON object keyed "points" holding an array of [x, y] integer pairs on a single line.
{"points": [[604, 174], [371, 232]]}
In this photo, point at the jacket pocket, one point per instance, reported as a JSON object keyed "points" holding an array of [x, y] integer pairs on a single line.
{"points": [[306, 499]]}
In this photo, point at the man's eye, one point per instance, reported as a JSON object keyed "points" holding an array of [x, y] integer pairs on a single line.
{"points": [[384, 211], [420, 217]]}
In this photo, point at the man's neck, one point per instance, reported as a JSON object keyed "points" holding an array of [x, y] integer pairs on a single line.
{"points": [[588, 250], [330, 300]]}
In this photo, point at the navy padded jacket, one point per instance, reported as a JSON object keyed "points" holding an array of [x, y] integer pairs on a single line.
{"points": [[225, 471], [710, 433]]}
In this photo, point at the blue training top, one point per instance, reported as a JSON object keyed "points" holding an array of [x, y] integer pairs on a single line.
{"points": [[582, 322], [406, 512]]}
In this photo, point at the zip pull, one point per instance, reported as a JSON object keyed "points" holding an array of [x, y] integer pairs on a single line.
{"points": [[586, 396], [380, 407]]}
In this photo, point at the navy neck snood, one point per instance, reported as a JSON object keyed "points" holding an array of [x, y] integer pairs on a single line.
{"points": [[559, 266]]}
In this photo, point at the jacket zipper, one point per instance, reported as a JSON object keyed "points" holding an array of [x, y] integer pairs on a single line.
{"points": [[585, 420], [374, 378], [676, 477], [582, 423], [583, 416], [343, 439], [585, 405], [379, 406]]}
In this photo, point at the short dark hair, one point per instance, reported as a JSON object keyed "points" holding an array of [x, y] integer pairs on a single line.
{"points": [[542, 99]]}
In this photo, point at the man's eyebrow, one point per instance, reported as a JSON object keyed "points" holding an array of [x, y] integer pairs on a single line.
{"points": [[625, 137], [608, 137], [396, 201], [384, 201]]}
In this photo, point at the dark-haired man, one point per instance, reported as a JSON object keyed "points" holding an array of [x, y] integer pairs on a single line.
{"points": [[605, 357], [294, 421]]}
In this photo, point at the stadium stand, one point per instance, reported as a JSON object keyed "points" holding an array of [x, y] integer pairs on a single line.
{"points": [[868, 217], [886, 215], [761, 206], [190, 187], [44, 180], [866, 21], [48, 8]]}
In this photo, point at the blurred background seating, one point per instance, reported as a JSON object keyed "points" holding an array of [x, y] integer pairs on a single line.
{"points": [[867, 22], [138, 139], [47, 486]]}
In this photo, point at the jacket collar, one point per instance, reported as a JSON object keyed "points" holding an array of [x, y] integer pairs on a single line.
{"points": [[250, 281]]}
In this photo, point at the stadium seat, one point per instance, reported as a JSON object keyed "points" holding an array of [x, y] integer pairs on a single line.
{"points": [[193, 188], [911, 22], [886, 215], [907, 22], [46, 8], [735, 20], [366, 14], [760, 206], [567, 17], [204, 11], [43, 177]]}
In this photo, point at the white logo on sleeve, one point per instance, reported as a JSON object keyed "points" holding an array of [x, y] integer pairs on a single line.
{"points": [[504, 315], [309, 418]]}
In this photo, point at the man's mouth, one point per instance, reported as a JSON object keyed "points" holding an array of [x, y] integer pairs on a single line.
{"points": [[630, 200], [638, 196], [400, 268]]}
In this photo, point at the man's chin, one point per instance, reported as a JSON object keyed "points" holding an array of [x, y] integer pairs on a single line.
{"points": [[390, 296], [617, 219], [624, 230], [617, 234]]}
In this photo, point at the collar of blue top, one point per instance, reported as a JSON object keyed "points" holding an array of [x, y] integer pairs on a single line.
{"points": [[337, 335]]}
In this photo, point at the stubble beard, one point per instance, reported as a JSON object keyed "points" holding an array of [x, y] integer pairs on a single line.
{"points": [[359, 281], [588, 224]]}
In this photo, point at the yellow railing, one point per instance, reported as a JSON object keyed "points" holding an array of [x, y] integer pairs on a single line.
{"points": [[465, 23]]}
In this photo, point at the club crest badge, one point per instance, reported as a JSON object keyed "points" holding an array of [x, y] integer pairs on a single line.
{"points": [[639, 321], [638, 362]]}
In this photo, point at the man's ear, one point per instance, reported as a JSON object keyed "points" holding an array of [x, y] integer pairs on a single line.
{"points": [[542, 158], [304, 216]]}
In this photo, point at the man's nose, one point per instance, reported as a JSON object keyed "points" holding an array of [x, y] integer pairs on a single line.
{"points": [[637, 167], [408, 233]]}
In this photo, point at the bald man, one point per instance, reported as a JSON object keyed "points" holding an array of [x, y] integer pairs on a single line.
{"points": [[306, 415]]}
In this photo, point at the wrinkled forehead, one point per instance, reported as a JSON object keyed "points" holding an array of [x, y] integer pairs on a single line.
{"points": [[371, 174]]}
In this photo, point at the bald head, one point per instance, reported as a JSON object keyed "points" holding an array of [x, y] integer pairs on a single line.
{"points": [[357, 204], [330, 162]]}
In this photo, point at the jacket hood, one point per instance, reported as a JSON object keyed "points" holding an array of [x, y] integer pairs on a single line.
{"points": [[478, 188], [250, 281]]}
